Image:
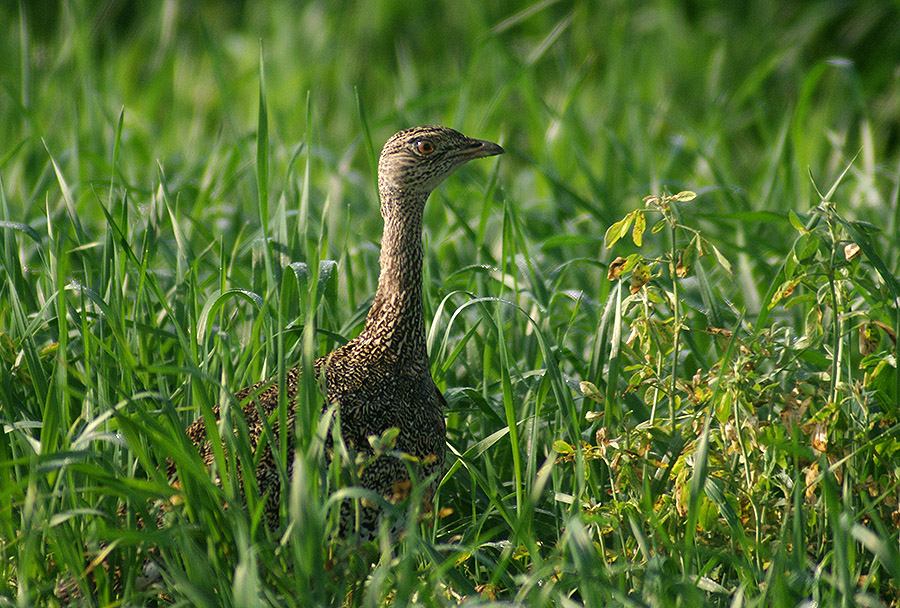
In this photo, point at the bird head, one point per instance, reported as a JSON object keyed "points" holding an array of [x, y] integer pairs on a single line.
{"points": [[415, 161]]}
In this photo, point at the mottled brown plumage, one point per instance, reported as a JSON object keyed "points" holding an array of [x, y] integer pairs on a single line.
{"points": [[381, 378]]}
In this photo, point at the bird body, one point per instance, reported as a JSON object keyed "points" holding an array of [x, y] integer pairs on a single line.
{"points": [[380, 379]]}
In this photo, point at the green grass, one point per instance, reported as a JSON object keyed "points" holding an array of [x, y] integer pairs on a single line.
{"points": [[174, 226]]}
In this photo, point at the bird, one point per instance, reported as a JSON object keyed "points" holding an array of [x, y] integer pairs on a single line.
{"points": [[381, 379]]}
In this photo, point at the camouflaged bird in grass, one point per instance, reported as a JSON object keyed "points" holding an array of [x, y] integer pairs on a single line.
{"points": [[381, 379]]}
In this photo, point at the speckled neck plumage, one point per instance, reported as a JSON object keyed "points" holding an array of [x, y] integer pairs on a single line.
{"points": [[397, 313]]}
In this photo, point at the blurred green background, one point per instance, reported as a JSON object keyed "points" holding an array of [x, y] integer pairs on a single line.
{"points": [[580, 88], [599, 103]]}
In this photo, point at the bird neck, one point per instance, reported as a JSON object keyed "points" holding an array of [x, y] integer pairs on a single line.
{"points": [[396, 320]]}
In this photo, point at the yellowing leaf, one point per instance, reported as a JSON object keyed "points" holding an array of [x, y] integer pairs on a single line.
{"points": [[819, 437], [683, 267], [869, 338], [784, 291], [796, 223], [811, 478], [616, 267], [590, 390], [639, 277], [851, 251], [640, 225], [49, 350], [561, 447]]}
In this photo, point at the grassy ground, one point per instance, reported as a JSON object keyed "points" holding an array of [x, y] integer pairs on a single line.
{"points": [[173, 227]]}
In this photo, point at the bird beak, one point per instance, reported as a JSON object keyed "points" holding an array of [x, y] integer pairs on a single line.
{"points": [[479, 148]]}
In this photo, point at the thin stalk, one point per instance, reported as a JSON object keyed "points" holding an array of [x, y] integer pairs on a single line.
{"points": [[837, 325], [676, 311]]}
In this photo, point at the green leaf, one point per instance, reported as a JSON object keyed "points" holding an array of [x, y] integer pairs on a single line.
{"points": [[796, 223], [640, 225], [790, 265], [784, 290], [721, 259], [215, 302], [568, 240], [618, 230], [23, 228], [807, 245], [262, 149], [561, 447], [688, 256], [69, 200]]}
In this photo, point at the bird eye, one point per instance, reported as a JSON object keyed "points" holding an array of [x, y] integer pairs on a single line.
{"points": [[424, 147]]}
